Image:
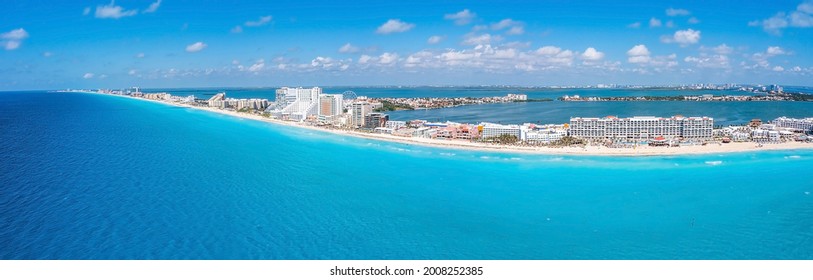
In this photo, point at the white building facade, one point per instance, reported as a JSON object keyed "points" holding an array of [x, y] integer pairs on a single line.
{"points": [[641, 128]]}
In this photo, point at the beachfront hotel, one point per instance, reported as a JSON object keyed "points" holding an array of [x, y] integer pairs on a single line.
{"points": [[641, 128], [296, 103], [800, 125], [491, 130]]}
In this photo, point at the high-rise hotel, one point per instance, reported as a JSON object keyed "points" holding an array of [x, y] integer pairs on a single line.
{"points": [[641, 128]]}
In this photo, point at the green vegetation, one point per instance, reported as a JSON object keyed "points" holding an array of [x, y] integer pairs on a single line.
{"points": [[389, 106], [567, 141], [503, 139], [800, 96]]}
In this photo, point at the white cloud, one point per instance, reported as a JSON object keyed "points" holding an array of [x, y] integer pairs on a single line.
{"points": [[806, 7], [591, 54], [257, 66], [113, 11], [709, 61], [348, 48], [153, 7], [139, 55], [87, 76], [237, 29], [434, 39], [16, 34], [654, 22], [683, 37], [363, 59], [802, 17], [47, 54], [670, 24], [723, 49], [638, 54], [86, 11], [11, 45], [260, 22], [516, 30], [505, 23], [132, 72], [195, 47], [778, 69], [514, 27], [462, 17], [394, 26], [13, 39], [693, 20], [774, 50], [676, 12], [482, 39], [634, 25], [388, 58]]}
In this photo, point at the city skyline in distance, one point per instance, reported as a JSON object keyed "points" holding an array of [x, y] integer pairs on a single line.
{"points": [[165, 43]]}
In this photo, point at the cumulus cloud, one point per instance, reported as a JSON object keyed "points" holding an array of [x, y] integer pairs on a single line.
{"points": [[394, 26], [723, 49], [683, 37], [237, 29], [13, 39], [482, 39], [634, 25], [139, 55], [778, 69], [195, 47], [513, 27], [591, 54], [113, 11], [47, 54], [259, 22], [693, 20], [709, 61], [153, 7], [774, 50], [86, 11], [638, 54], [348, 48], [676, 12], [257, 66], [88, 76], [462, 17], [654, 22], [802, 17], [434, 39]]}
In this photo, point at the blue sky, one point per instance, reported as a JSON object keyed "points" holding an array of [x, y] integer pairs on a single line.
{"points": [[175, 43]]}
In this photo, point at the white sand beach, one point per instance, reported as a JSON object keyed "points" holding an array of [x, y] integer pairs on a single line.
{"points": [[458, 144]]}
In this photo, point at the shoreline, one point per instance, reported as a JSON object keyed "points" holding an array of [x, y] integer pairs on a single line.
{"points": [[476, 146]]}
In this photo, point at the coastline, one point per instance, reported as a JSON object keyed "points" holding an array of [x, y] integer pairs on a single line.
{"points": [[460, 145]]}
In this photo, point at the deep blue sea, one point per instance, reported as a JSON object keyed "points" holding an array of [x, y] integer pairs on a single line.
{"points": [[103, 177]]}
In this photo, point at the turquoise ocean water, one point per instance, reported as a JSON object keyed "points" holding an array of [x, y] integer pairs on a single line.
{"points": [[103, 177]]}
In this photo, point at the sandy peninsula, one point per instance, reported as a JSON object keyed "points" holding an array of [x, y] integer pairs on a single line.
{"points": [[458, 144]]}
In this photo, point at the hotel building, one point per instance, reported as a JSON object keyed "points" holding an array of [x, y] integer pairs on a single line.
{"points": [[330, 105], [296, 103], [641, 128], [803, 125], [490, 130], [359, 111]]}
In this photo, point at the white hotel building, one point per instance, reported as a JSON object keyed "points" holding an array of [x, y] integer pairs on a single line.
{"points": [[495, 130], [804, 125], [641, 128]]}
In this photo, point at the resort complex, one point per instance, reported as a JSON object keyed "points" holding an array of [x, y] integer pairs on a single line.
{"points": [[365, 116]]}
